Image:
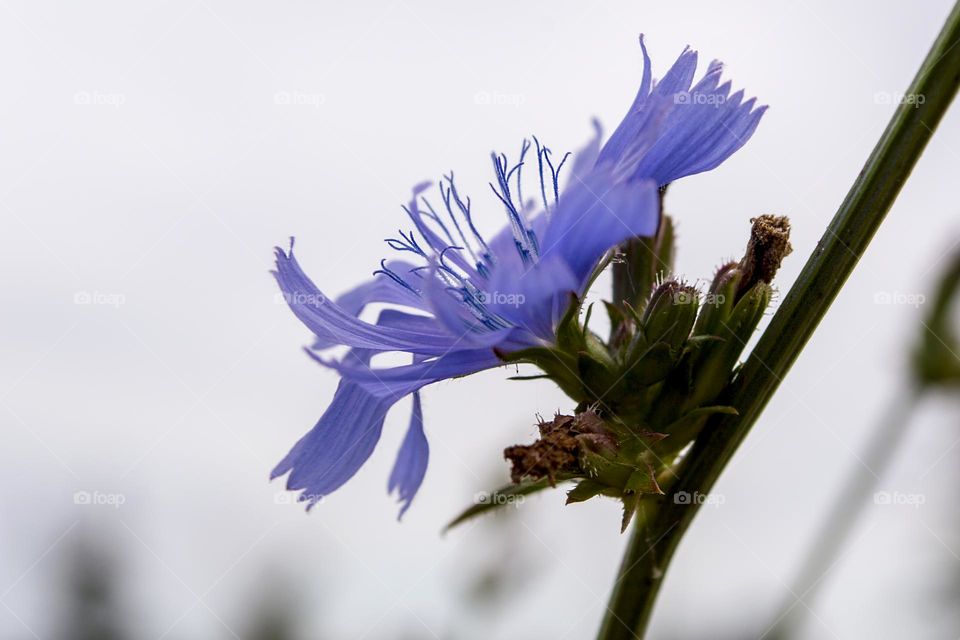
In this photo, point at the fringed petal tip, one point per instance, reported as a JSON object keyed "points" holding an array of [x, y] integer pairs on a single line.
{"points": [[294, 494], [597, 127], [337, 446], [411, 464], [676, 128], [285, 254]]}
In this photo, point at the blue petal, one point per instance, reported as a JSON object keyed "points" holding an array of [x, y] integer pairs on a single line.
{"points": [[631, 123], [379, 289], [333, 325], [730, 138], [411, 464], [403, 380], [451, 312], [347, 433], [585, 159], [674, 130], [598, 214], [684, 136], [535, 299], [340, 443], [397, 319], [679, 76]]}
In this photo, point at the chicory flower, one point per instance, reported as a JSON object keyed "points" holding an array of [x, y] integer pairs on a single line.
{"points": [[470, 300]]}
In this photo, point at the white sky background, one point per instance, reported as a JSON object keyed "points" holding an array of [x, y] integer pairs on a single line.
{"points": [[170, 186]]}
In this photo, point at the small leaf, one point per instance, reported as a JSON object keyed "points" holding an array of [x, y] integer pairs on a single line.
{"points": [[586, 319], [569, 332], [500, 498], [560, 366], [615, 313], [584, 490], [630, 502], [642, 481], [696, 414]]}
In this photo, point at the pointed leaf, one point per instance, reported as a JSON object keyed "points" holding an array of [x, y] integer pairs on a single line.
{"points": [[500, 498], [584, 490]]}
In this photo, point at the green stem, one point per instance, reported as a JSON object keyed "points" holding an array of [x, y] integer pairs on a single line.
{"points": [[845, 512], [637, 569], [825, 272]]}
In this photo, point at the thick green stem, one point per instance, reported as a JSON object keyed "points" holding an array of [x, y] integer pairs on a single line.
{"points": [[638, 570], [825, 272]]}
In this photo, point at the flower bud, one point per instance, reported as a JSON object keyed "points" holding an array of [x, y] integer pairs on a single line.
{"points": [[670, 314], [718, 304], [640, 263], [713, 363]]}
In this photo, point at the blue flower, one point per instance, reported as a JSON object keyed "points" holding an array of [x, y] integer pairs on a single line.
{"points": [[468, 299], [674, 129]]}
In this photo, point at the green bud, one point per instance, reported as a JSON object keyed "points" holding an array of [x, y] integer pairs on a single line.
{"points": [[640, 263], [713, 362], [719, 302], [670, 314], [570, 335], [738, 298]]}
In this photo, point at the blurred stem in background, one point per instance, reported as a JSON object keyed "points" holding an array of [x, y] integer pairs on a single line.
{"points": [[845, 513], [936, 364], [653, 543], [91, 609]]}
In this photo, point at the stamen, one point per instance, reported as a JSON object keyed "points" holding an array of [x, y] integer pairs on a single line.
{"points": [[446, 194], [393, 276], [408, 243], [465, 210], [517, 222], [543, 155], [433, 216], [464, 273], [443, 254]]}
